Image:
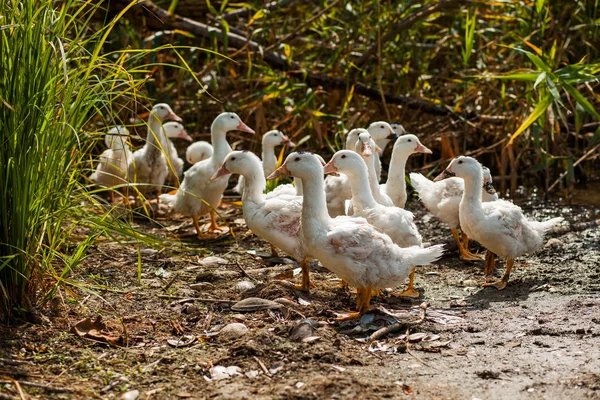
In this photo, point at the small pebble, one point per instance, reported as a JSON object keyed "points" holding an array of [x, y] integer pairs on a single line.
{"points": [[202, 286], [242, 286], [131, 395], [233, 331], [553, 242], [213, 261], [191, 309]]}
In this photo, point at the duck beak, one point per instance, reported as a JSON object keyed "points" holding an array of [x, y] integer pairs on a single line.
{"points": [[244, 128], [367, 151], [184, 135], [279, 172], [221, 172], [444, 175], [329, 168], [422, 149], [392, 136], [489, 187], [174, 116], [288, 142], [378, 149]]}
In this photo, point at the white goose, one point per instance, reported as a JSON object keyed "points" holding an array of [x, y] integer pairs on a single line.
{"points": [[382, 133], [198, 195], [366, 147], [112, 168], [442, 199], [198, 151], [337, 188], [276, 220], [499, 226], [349, 247], [270, 141], [148, 166], [395, 187], [395, 222]]}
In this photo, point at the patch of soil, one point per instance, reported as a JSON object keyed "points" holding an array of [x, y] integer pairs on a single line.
{"points": [[538, 338]]}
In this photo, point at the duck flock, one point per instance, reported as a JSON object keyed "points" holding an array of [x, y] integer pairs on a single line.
{"points": [[354, 225]]}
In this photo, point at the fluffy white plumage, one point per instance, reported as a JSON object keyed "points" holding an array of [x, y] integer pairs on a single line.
{"points": [[198, 151], [112, 167], [197, 194], [395, 187], [350, 247], [442, 198], [174, 162], [382, 133], [500, 226], [148, 166]]}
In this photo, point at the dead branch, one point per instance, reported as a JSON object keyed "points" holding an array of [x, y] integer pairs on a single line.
{"points": [[280, 62], [247, 12]]}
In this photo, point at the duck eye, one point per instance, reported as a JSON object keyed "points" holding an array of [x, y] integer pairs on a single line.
{"points": [[231, 116], [460, 161], [410, 140], [232, 158], [297, 159], [344, 156], [382, 127]]}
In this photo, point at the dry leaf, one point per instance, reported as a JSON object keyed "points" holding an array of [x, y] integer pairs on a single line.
{"points": [[95, 330]]}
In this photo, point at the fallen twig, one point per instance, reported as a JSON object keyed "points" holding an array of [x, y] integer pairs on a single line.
{"points": [[262, 366], [10, 361], [5, 380]]}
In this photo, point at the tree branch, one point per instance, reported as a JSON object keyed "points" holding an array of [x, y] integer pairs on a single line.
{"points": [[407, 22], [280, 62], [247, 12]]}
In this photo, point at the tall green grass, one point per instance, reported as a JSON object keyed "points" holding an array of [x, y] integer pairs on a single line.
{"points": [[53, 84]]}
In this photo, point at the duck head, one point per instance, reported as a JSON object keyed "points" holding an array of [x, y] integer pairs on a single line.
{"points": [[382, 132], [410, 144], [299, 165], [344, 161], [230, 121], [116, 137], [462, 167], [176, 130], [276, 138], [163, 111], [237, 162]]}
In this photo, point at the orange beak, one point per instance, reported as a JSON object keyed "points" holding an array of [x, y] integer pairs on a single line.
{"points": [[221, 172], [329, 168], [280, 172], [174, 117], [422, 149], [367, 151], [244, 128], [184, 135], [288, 142], [378, 149], [447, 173]]}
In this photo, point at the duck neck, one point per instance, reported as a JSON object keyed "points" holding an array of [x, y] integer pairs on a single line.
{"points": [[362, 196], [153, 138], [396, 182], [254, 185], [269, 159], [298, 185], [372, 175], [314, 206], [472, 193], [220, 146]]}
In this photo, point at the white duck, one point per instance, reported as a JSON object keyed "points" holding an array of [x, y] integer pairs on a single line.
{"points": [[499, 226], [112, 168], [442, 199], [398, 129], [172, 130], [337, 188], [382, 133], [148, 166], [198, 195], [395, 222], [276, 220], [395, 187], [198, 151], [350, 247], [270, 140], [366, 147]]}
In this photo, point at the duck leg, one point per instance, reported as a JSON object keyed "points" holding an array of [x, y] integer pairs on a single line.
{"points": [[197, 226], [501, 284], [344, 284], [465, 254], [213, 223], [363, 304], [305, 285], [490, 263], [410, 292], [112, 197], [273, 251]]}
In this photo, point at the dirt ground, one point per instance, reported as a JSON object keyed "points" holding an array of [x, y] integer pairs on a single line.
{"points": [[538, 339]]}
